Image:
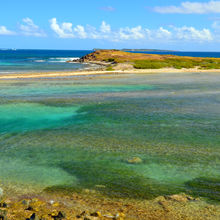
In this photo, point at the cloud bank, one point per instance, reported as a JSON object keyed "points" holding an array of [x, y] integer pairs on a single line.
{"points": [[105, 32], [191, 8], [5, 31], [28, 28]]}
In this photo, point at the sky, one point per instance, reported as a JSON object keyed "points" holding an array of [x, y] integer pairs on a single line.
{"points": [[143, 24]]}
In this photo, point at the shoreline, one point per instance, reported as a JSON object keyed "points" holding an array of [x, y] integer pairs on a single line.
{"points": [[91, 206], [103, 72]]}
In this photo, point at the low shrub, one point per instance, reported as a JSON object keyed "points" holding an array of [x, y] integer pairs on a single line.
{"points": [[110, 60], [109, 68], [149, 64], [178, 63]]}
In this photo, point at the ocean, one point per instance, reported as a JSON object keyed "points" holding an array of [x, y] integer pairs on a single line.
{"points": [[80, 133], [185, 53], [21, 61], [83, 132]]}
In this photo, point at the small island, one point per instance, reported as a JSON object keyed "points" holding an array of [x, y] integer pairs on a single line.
{"points": [[121, 60]]}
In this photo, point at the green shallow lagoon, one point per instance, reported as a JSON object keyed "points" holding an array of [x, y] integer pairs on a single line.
{"points": [[79, 133]]}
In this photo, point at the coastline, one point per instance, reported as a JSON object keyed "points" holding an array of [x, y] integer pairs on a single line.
{"points": [[88, 206], [103, 72]]}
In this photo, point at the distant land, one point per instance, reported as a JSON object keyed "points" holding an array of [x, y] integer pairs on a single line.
{"points": [[140, 50], [149, 50]]}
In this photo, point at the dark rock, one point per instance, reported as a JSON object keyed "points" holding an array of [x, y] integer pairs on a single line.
{"points": [[81, 215], [29, 208], [60, 216], [3, 205], [25, 202], [96, 214], [33, 217], [3, 215]]}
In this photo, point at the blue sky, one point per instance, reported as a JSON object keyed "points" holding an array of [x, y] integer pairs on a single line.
{"points": [[68, 24]]}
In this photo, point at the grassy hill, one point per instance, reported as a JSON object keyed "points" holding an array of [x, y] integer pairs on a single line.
{"points": [[151, 61]]}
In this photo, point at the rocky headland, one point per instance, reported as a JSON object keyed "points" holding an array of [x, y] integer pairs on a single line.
{"points": [[121, 60]]}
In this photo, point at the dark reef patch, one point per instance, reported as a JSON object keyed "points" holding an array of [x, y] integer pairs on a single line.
{"points": [[205, 187], [117, 181]]}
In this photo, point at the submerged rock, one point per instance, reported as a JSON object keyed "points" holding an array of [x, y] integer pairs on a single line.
{"points": [[135, 160], [180, 198]]}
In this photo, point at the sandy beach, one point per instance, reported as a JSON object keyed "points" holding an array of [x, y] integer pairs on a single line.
{"points": [[103, 72]]}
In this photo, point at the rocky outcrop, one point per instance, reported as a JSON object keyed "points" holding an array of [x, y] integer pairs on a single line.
{"points": [[135, 160], [97, 57]]}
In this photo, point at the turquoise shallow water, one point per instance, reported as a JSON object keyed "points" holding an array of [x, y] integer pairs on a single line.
{"points": [[76, 134]]}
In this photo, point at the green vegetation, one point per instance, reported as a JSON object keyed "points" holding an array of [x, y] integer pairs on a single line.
{"points": [[109, 60], [118, 182], [177, 63], [149, 64], [206, 187], [110, 68]]}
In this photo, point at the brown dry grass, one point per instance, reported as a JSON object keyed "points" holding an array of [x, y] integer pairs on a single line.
{"points": [[121, 56], [152, 61]]}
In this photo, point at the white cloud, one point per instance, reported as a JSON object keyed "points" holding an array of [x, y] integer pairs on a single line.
{"points": [[28, 28], [128, 33], [93, 33], [5, 31], [216, 28], [80, 30], [105, 28], [64, 30], [191, 8], [163, 33], [105, 32], [190, 33]]}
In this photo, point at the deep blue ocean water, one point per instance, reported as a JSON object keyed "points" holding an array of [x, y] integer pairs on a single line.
{"points": [[12, 61], [185, 53], [19, 61]]}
